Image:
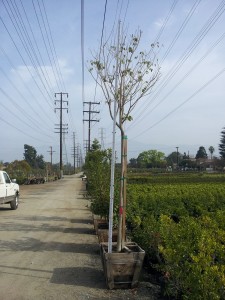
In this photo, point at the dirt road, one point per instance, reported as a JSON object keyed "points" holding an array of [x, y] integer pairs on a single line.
{"points": [[48, 249]]}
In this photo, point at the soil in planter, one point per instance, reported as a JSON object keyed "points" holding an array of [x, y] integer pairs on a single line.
{"points": [[103, 226], [100, 224], [103, 235]]}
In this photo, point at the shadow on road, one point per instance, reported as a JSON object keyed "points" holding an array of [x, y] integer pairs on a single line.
{"points": [[85, 276], [9, 226], [35, 245]]}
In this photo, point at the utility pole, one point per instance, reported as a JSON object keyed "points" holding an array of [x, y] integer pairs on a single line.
{"points": [[74, 153], [177, 156], [102, 137], [78, 157], [62, 127], [86, 146], [89, 120], [51, 152]]}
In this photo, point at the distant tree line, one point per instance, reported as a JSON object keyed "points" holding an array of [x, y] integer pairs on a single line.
{"points": [[33, 165], [157, 159]]}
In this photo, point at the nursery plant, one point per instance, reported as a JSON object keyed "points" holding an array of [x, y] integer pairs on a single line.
{"points": [[97, 169], [125, 74]]}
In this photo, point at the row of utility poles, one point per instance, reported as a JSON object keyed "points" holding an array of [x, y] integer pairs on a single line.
{"points": [[101, 137], [76, 153], [62, 129]]}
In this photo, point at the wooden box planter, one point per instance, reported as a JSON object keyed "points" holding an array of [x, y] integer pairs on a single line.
{"points": [[103, 235], [122, 269], [100, 224], [102, 230]]}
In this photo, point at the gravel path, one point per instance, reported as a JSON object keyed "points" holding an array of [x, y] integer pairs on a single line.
{"points": [[48, 248]]}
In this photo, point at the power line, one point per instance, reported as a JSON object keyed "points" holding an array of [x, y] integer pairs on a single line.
{"points": [[20, 130], [54, 49], [166, 20], [184, 102], [23, 113], [169, 49], [28, 42], [181, 29], [190, 71], [51, 57], [28, 69], [100, 49], [27, 102], [162, 28], [34, 39], [26, 87], [25, 45], [189, 50], [45, 44]]}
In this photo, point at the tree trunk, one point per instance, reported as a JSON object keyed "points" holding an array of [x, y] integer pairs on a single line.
{"points": [[122, 204], [124, 190], [119, 239]]}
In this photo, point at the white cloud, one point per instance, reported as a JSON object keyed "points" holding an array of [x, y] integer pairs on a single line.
{"points": [[159, 22], [24, 72], [42, 74]]}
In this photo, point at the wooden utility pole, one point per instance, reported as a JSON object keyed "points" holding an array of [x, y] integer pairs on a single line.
{"points": [[102, 138], [74, 152], [89, 120], [51, 152], [62, 127], [78, 155], [177, 156]]}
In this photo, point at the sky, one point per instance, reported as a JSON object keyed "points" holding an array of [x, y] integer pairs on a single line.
{"points": [[46, 48]]}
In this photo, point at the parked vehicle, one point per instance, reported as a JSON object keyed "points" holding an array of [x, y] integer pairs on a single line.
{"points": [[84, 177], [9, 190]]}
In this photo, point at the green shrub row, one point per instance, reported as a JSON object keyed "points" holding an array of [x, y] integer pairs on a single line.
{"points": [[182, 229], [97, 168], [174, 178], [178, 220]]}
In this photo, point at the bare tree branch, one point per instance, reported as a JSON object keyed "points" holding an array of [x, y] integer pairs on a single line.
{"points": [[138, 72]]}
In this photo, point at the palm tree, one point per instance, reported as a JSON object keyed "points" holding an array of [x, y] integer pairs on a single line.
{"points": [[211, 150]]}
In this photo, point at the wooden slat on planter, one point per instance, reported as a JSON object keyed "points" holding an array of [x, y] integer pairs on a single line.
{"points": [[103, 235], [122, 269]]}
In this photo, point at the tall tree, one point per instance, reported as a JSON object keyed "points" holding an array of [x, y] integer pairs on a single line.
{"points": [[125, 74], [201, 153], [30, 155], [172, 157], [40, 163], [222, 144], [211, 151], [151, 158], [95, 145], [133, 162]]}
